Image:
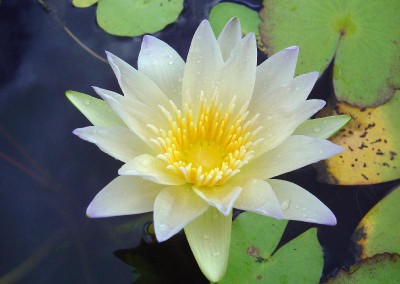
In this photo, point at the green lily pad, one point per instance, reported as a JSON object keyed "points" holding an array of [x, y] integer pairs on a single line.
{"points": [[134, 18], [377, 232], [254, 238], [382, 268], [97, 111], [221, 13], [83, 3], [362, 36], [371, 143]]}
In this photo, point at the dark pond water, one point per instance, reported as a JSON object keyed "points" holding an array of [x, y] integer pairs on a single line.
{"points": [[48, 176]]}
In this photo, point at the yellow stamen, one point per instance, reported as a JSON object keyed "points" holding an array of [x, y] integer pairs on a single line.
{"points": [[209, 149]]}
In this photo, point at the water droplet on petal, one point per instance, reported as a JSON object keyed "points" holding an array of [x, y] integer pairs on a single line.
{"points": [[317, 129], [269, 117], [304, 215], [297, 88], [171, 62], [286, 204], [162, 227], [206, 237], [216, 254], [304, 209], [297, 206], [215, 216], [86, 102]]}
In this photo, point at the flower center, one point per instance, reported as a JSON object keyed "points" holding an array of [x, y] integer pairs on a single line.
{"points": [[206, 145]]}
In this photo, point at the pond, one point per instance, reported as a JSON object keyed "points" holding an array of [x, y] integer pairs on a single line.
{"points": [[49, 176]]}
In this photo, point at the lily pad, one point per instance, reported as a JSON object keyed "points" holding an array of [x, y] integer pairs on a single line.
{"points": [[134, 18], [377, 231], [371, 143], [362, 36], [83, 3], [251, 260], [382, 268], [221, 13]]}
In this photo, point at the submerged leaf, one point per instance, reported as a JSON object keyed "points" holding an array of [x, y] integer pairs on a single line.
{"points": [[363, 37], [371, 143], [251, 259], [134, 18], [376, 232]]}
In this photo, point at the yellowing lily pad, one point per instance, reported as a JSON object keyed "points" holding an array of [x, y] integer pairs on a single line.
{"points": [[361, 36], [254, 238], [83, 3], [221, 13], [371, 143], [378, 231], [382, 268], [134, 18]]}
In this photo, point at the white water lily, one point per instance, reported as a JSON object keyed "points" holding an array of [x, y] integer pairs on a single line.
{"points": [[202, 137]]}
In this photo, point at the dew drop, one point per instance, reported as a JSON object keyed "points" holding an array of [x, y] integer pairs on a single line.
{"points": [[297, 206], [206, 237], [317, 129], [297, 88], [304, 209], [198, 61], [197, 73], [215, 216], [269, 117], [304, 215], [286, 204], [86, 102], [216, 254], [162, 227], [170, 62]]}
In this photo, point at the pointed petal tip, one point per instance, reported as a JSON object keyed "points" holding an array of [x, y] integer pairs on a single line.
{"points": [[294, 48]]}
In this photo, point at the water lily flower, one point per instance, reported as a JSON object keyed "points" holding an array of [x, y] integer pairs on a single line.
{"points": [[203, 137]]}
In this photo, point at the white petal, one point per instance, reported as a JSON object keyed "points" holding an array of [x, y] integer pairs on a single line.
{"points": [[296, 91], [279, 124], [203, 66], [322, 127], [98, 112], [294, 153], [298, 204], [209, 238], [135, 114], [229, 37], [151, 168], [118, 142], [174, 208], [163, 65], [257, 196], [136, 85], [221, 197], [239, 72], [124, 196], [276, 71]]}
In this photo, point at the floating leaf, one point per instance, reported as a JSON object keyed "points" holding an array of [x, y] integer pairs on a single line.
{"points": [[363, 37], [382, 268], [377, 231], [83, 3], [95, 110], [254, 238], [371, 143], [134, 18], [221, 13]]}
